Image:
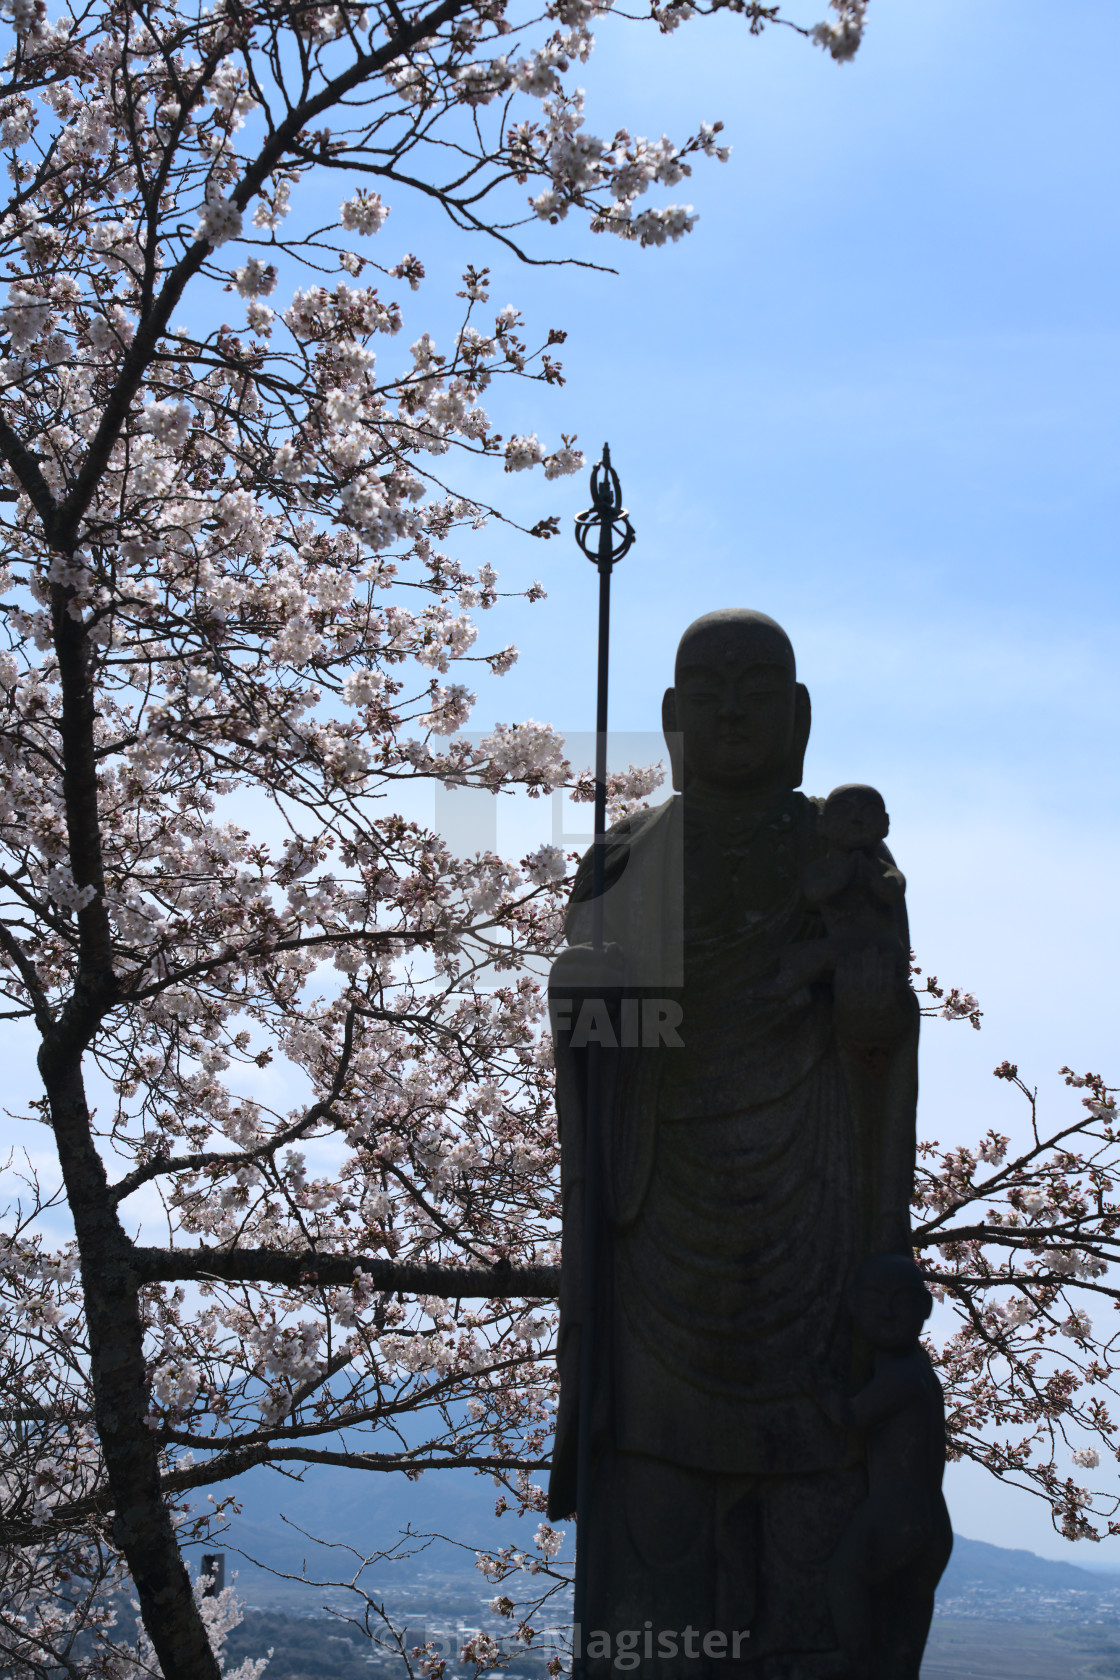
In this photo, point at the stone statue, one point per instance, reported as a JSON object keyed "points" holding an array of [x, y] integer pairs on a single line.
{"points": [[757, 1147], [883, 1574]]}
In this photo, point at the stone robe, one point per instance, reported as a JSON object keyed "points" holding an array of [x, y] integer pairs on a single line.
{"points": [[746, 1173]]}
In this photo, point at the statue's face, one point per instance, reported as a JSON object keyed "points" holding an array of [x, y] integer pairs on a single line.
{"points": [[855, 821], [737, 719]]}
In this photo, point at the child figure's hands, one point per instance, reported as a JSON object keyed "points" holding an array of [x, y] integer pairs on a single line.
{"points": [[828, 876], [832, 1399]]}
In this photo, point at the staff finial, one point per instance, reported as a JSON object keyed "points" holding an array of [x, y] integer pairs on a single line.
{"points": [[606, 520]]}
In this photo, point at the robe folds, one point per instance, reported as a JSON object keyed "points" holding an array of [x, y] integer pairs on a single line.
{"points": [[746, 1172]]}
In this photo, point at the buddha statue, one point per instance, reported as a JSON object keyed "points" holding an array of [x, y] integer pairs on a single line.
{"points": [[755, 1152]]}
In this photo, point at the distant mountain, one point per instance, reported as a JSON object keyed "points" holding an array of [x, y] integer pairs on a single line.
{"points": [[975, 1563], [369, 1511]]}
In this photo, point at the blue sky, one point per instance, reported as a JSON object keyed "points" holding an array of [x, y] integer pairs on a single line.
{"points": [[875, 394]]}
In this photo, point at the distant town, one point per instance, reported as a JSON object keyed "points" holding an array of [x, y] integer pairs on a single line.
{"points": [[1001, 1615], [1058, 1606]]}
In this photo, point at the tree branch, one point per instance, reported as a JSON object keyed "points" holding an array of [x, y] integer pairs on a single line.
{"points": [[62, 526], [262, 1265], [41, 1009], [226, 1465]]}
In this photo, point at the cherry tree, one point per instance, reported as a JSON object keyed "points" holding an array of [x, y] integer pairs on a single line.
{"points": [[1022, 1243], [1020, 1240], [240, 604]]}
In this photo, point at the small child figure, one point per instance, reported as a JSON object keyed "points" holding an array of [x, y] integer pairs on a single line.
{"points": [[883, 1574], [856, 888]]}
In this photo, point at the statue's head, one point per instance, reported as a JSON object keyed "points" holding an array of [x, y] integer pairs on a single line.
{"points": [[854, 817], [739, 715], [890, 1302]]}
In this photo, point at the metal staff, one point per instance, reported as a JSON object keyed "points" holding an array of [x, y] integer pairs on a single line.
{"points": [[605, 535]]}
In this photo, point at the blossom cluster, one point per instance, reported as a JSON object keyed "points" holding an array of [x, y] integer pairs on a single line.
{"points": [[1020, 1240], [841, 35], [627, 790]]}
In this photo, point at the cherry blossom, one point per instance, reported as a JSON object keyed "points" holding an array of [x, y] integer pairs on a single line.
{"points": [[841, 36]]}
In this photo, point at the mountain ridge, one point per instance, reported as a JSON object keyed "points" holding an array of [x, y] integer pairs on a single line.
{"points": [[371, 1512]]}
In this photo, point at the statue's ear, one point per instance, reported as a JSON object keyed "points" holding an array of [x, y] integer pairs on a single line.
{"points": [[673, 738], [802, 722]]}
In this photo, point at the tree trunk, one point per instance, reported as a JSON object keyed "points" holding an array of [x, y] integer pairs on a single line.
{"points": [[142, 1525]]}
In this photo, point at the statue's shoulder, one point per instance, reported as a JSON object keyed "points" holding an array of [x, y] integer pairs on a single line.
{"points": [[620, 838]]}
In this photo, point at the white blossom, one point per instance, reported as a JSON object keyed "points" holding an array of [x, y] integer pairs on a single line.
{"points": [[562, 462], [546, 864], [526, 752], [655, 227], [168, 421], [364, 213], [449, 708], [175, 1384], [286, 464], [842, 36], [25, 318], [17, 122], [219, 222], [63, 889], [548, 1540], [1019, 1310], [255, 278], [522, 452]]}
